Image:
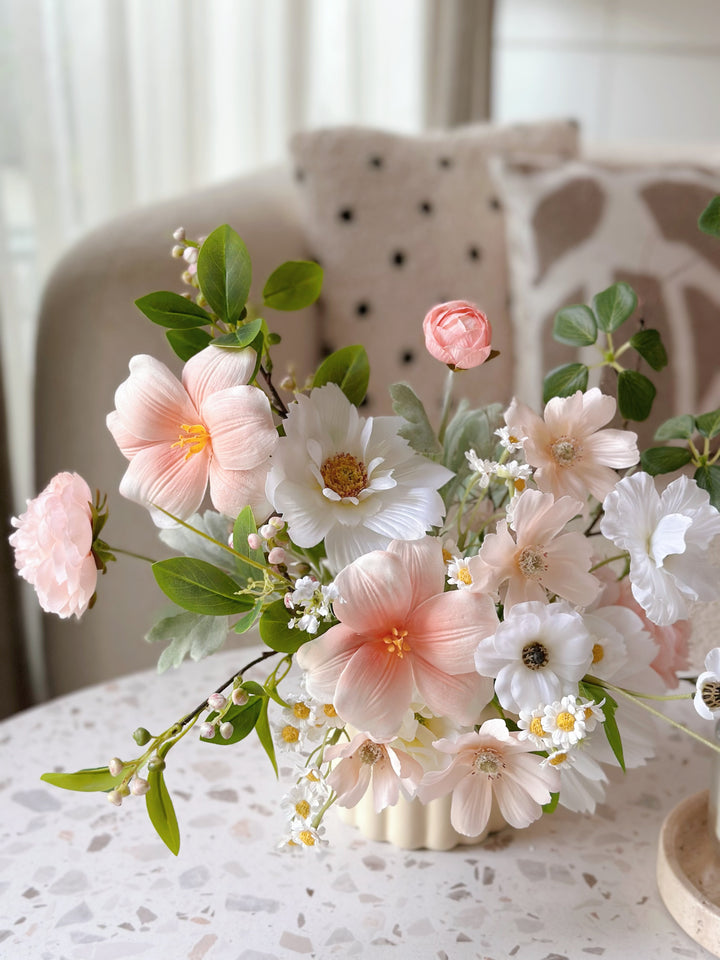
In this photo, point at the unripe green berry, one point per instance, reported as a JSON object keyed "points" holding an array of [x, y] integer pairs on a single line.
{"points": [[156, 763], [142, 736]]}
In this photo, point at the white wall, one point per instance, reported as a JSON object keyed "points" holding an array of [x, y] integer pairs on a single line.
{"points": [[633, 72]]}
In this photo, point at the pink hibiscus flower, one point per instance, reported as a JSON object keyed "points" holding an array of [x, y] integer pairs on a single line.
{"points": [[177, 436], [363, 760], [492, 763], [571, 454], [400, 639], [540, 558]]}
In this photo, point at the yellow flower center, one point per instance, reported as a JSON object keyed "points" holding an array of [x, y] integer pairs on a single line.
{"points": [[344, 474], [370, 753], [302, 809], [598, 652], [557, 759], [464, 576], [565, 451], [519, 485], [301, 710], [565, 721], [489, 762], [447, 556], [307, 838], [290, 734], [531, 562], [396, 642], [312, 777], [196, 439], [329, 711], [536, 727], [588, 712]]}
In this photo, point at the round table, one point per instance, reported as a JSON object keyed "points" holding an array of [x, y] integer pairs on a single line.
{"points": [[83, 880]]}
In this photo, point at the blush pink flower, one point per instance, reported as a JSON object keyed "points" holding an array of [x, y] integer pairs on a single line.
{"points": [[571, 454], [491, 764], [400, 640], [540, 558], [177, 436], [672, 642], [364, 760], [53, 544], [458, 334]]}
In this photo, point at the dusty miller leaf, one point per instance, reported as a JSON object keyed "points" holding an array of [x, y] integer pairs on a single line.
{"points": [[417, 429], [188, 634], [191, 544]]}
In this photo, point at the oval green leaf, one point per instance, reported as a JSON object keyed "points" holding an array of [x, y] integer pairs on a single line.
{"points": [[294, 285], [709, 424], [161, 811], [243, 336], [650, 347], [709, 221], [575, 325], [565, 380], [614, 306], [635, 395], [199, 587], [262, 728], [708, 477], [243, 720], [659, 460], [88, 781], [349, 368], [275, 632], [224, 273], [186, 343], [169, 309], [676, 428]]}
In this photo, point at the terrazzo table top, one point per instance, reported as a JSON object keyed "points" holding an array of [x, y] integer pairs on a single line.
{"points": [[82, 880]]}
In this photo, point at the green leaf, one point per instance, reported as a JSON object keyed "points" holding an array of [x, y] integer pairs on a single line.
{"points": [[262, 728], [243, 720], [709, 424], [659, 460], [186, 343], [187, 634], [708, 477], [161, 811], [249, 620], [676, 428], [614, 306], [349, 368], [575, 325], [224, 273], [471, 429], [88, 781], [565, 380], [551, 805], [709, 221], [650, 347], [244, 526], [635, 395], [294, 285], [417, 429], [275, 632], [199, 587], [169, 309], [598, 694], [243, 336]]}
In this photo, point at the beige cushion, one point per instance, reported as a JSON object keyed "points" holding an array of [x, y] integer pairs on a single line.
{"points": [[401, 223]]}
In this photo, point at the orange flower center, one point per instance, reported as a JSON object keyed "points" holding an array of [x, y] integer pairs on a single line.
{"points": [[565, 451], [196, 439], [344, 474], [396, 643]]}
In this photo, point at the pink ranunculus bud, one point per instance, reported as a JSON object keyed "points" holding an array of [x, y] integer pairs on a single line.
{"points": [[216, 701], [207, 731], [53, 543], [458, 334], [277, 555]]}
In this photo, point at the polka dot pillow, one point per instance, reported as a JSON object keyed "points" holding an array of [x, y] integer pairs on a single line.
{"points": [[401, 223]]}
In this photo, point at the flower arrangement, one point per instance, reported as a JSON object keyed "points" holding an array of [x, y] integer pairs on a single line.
{"points": [[468, 611]]}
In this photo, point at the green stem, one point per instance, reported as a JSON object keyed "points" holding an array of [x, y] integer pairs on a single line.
{"points": [[618, 556], [447, 405], [129, 553]]}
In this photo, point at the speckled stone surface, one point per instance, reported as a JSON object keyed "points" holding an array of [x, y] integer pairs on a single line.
{"points": [[82, 880]]}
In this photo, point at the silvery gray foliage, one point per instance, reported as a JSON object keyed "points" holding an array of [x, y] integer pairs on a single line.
{"points": [[189, 634], [417, 429], [187, 543], [470, 429]]}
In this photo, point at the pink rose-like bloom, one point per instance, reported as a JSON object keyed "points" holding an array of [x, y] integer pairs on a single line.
{"points": [[363, 760], [53, 543], [492, 763], [400, 640], [458, 334], [177, 436]]}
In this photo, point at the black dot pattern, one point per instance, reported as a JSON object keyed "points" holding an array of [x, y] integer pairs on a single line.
{"points": [[376, 161], [425, 207], [398, 258], [363, 308], [407, 356], [445, 162], [474, 252], [346, 214]]}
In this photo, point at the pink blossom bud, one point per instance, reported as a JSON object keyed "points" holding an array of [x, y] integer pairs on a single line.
{"points": [[116, 766], [190, 254], [115, 797], [277, 555], [177, 252], [276, 522], [458, 334], [207, 731], [139, 787], [179, 234], [239, 697], [266, 531], [288, 601], [216, 701], [226, 730], [254, 541]]}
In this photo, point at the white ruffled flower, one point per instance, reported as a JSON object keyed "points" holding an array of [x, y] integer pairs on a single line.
{"points": [[707, 690], [351, 481], [667, 536]]}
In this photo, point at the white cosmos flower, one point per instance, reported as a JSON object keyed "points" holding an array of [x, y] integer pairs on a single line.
{"points": [[537, 654], [667, 536], [707, 691], [349, 480]]}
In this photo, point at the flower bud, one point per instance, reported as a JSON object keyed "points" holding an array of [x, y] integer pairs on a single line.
{"points": [[266, 531], [458, 334], [254, 541], [139, 787], [277, 555], [187, 277], [190, 254], [226, 730], [115, 797], [216, 701], [207, 731], [179, 234], [116, 766], [276, 522], [177, 252], [240, 697], [123, 790], [156, 763], [142, 736]]}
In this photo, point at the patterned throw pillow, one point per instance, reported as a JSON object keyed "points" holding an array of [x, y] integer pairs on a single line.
{"points": [[577, 228], [401, 223]]}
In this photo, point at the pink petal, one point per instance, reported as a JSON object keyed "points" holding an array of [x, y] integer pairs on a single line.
{"points": [[471, 802], [350, 779], [127, 442], [614, 448], [462, 698], [438, 783], [233, 490], [425, 566], [151, 403], [374, 690], [538, 517], [215, 369], [161, 475], [386, 786], [569, 559], [446, 629], [240, 424], [325, 658], [375, 592]]}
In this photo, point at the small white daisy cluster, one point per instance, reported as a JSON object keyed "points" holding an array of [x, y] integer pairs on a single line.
{"points": [[314, 600], [514, 473], [559, 727], [304, 805]]}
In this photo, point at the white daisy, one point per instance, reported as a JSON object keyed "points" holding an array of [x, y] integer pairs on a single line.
{"points": [[511, 441], [530, 723], [458, 574], [707, 691], [667, 536], [485, 469], [349, 480], [304, 835], [303, 801], [564, 720]]}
